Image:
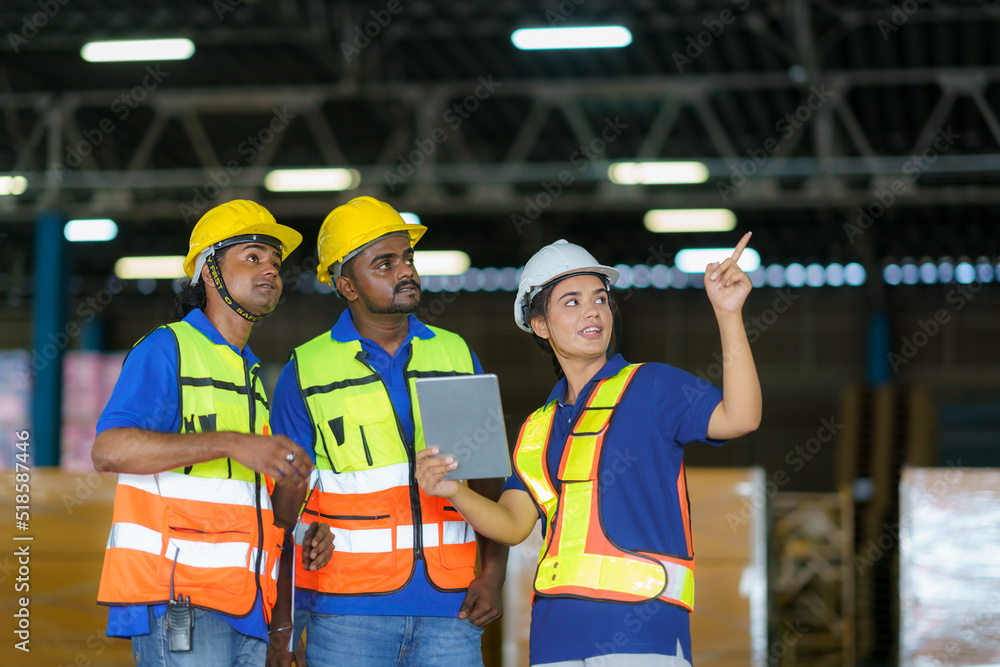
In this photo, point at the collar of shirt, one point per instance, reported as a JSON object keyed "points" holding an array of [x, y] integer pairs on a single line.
{"points": [[197, 319], [610, 369], [344, 330]]}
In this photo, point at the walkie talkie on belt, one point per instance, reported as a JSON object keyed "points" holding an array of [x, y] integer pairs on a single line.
{"points": [[180, 618]]}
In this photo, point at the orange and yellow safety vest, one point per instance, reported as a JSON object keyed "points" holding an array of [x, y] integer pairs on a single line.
{"points": [[383, 523], [579, 559], [208, 528]]}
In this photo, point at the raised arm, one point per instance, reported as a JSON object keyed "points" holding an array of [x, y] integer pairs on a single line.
{"points": [[508, 521], [739, 412]]}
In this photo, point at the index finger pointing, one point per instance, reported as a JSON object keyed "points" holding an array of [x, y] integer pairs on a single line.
{"points": [[741, 246]]}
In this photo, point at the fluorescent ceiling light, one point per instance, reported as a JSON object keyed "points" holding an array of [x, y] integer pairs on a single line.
{"points": [[690, 220], [311, 180], [593, 37], [441, 262], [410, 218], [164, 266], [650, 173], [13, 185], [101, 229], [694, 260], [137, 49]]}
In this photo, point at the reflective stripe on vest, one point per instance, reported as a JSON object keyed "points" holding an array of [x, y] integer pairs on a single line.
{"points": [[208, 526], [382, 522], [579, 559]]}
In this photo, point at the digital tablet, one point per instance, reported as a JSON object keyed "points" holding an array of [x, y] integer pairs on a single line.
{"points": [[462, 416]]}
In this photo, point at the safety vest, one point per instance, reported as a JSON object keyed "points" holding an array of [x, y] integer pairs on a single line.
{"points": [[579, 559], [383, 523], [207, 529]]}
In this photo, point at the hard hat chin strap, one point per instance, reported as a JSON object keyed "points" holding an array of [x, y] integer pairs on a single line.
{"points": [[216, 272]]}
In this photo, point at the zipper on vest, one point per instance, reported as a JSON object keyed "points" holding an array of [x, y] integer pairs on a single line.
{"points": [[195, 531], [256, 476], [346, 517], [417, 519], [364, 443], [411, 451]]}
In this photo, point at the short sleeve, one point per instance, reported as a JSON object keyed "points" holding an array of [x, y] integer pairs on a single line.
{"points": [[514, 483], [476, 366], [289, 415], [683, 404], [147, 393]]}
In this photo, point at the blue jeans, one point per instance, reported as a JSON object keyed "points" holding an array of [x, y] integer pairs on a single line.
{"points": [[214, 643], [380, 641]]}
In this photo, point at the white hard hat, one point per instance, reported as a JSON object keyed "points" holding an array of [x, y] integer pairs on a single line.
{"points": [[553, 262]]}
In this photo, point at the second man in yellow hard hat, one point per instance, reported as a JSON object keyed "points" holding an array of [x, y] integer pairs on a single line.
{"points": [[401, 578]]}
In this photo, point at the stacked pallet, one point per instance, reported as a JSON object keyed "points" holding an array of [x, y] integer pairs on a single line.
{"points": [[811, 547], [15, 403], [885, 428], [88, 380]]}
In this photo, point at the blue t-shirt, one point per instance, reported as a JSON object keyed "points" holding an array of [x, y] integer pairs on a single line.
{"points": [[641, 509], [147, 396], [290, 417]]}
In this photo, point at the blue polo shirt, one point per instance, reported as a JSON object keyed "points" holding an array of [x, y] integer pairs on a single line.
{"points": [[147, 396], [290, 417], [641, 509]]}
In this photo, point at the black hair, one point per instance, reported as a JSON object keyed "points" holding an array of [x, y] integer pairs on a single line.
{"points": [[194, 296], [346, 270], [539, 307]]}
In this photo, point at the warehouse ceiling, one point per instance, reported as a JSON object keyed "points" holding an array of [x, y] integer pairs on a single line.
{"points": [[806, 112]]}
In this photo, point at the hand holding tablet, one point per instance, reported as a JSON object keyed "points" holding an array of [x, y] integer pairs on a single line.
{"points": [[463, 418]]}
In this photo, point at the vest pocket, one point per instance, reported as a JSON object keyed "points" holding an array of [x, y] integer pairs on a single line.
{"points": [[456, 538], [364, 539], [341, 440], [212, 554], [370, 429]]}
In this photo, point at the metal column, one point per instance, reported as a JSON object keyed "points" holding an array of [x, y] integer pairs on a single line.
{"points": [[49, 338]]}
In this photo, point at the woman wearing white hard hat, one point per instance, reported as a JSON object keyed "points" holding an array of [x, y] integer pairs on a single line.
{"points": [[601, 464]]}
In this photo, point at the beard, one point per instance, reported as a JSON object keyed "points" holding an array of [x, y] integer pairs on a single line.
{"points": [[392, 308]]}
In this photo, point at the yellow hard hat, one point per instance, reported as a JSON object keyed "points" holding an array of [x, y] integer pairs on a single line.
{"points": [[238, 218], [354, 224]]}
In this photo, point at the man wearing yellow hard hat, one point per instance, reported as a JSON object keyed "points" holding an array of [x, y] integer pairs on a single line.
{"points": [[191, 564], [401, 578]]}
